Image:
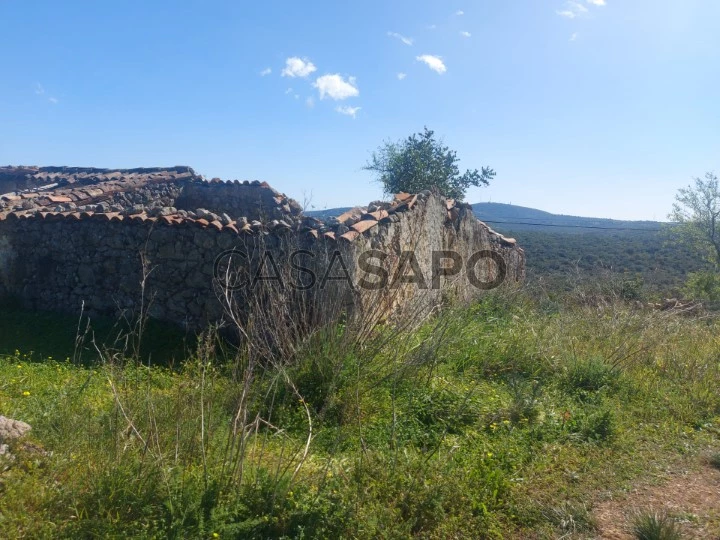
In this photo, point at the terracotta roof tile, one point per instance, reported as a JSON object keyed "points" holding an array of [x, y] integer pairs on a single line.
{"points": [[378, 215], [364, 225], [350, 236], [351, 216]]}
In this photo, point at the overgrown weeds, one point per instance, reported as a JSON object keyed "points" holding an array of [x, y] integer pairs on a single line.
{"points": [[488, 421], [655, 526]]}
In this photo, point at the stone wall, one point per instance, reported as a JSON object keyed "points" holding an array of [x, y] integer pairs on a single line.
{"points": [[67, 261], [254, 200], [168, 241]]}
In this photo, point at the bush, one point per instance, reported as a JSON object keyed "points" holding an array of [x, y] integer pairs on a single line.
{"points": [[595, 427], [525, 404], [585, 377], [654, 526]]}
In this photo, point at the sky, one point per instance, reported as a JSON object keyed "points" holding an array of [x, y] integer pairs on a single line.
{"points": [[601, 108]]}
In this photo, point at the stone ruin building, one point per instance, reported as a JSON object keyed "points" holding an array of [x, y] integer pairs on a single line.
{"points": [[110, 241]]}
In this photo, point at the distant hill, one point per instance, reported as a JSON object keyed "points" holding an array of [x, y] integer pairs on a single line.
{"points": [[327, 213], [507, 216], [559, 245], [503, 217]]}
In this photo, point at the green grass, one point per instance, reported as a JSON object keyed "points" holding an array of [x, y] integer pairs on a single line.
{"points": [[654, 526], [499, 420]]}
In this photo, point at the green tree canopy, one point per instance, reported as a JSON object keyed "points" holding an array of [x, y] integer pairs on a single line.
{"points": [[696, 213], [421, 162]]}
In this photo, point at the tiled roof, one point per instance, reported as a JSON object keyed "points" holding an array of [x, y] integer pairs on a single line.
{"points": [[40, 176], [359, 223], [41, 191]]}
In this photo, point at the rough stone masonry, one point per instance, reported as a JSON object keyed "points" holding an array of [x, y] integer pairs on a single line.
{"points": [[171, 242]]}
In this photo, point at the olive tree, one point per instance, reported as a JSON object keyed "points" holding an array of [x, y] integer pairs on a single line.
{"points": [[696, 217], [421, 162]]}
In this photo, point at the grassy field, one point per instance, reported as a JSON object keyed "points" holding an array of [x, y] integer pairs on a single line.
{"points": [[511, 418]]}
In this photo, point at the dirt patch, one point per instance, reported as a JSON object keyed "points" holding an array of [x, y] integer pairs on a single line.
{"points": [[691, 497]]}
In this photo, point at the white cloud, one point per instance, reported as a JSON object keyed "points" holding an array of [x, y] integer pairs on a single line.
{"points": [[465, 34], [347, 110], [432, 26], [573, 9], [401, 76], [574, 36], [289, 91], [459, 12], [433, 62], [298, 67], [578, 7], [266, 71], [405, 40], [336, 87], [310, 102], [53, 100], [597, 2]]}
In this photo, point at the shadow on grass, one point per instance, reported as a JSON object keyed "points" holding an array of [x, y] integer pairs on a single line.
{"points": [[44, 334]]}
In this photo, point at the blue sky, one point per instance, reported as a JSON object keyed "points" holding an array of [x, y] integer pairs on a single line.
{"points": [[588, 107]]}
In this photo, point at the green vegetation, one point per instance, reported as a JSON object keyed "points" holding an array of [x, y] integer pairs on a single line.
{"points": [[501, 419], [562, 250], [697, 213], [42, 335], [420, 162], [653, 526], [642, 258]]}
